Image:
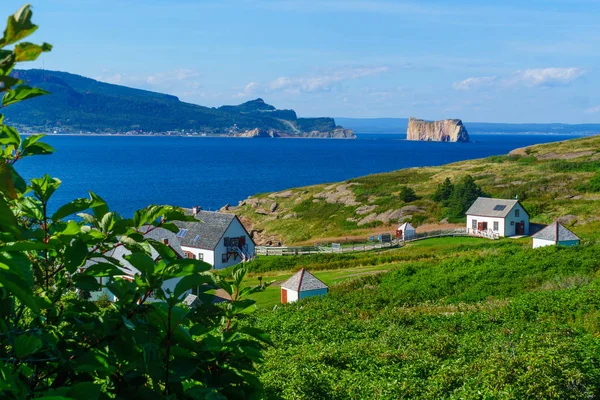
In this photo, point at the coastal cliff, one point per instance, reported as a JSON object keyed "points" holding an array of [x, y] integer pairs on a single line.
{"points": [[448, 130], [336, 133]]}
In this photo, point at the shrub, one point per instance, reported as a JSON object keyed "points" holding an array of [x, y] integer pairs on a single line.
{"points": [[55, 344], [407, 194]]}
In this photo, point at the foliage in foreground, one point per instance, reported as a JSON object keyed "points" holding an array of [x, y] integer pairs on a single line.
{"points": [[148, 344], [511, 324]]}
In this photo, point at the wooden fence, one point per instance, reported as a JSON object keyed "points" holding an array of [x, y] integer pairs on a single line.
{"points": [[347, 248]]}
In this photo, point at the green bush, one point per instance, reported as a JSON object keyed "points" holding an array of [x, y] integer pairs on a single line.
{"points": [[56, 344], [513, 323], [407, 194]]}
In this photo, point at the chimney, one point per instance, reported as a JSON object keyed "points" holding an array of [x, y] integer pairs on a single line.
{"points": [[165, 241], [196, 210]]}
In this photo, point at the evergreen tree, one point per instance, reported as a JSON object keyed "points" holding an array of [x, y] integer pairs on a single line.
{"points": [[407, 194], [444, 191], [464, 194]]}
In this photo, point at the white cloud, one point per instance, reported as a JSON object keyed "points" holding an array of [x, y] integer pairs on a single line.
{"points": [[475, 83], [324, 82], [249, 89], [593, 110], [536, 77], [548, 76]]}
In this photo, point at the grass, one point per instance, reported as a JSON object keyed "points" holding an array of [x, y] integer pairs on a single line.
{"points": [[270, 297], [334, 269], [482, 319], [550, 179]]}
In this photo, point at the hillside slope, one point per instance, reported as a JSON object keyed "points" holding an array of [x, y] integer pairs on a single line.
{"points": [[552, 180], [79, 103]]}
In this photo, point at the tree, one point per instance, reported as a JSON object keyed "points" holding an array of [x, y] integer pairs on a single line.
{"points": [[464, 194], [407, 194], [443, 191], [56, 344]]}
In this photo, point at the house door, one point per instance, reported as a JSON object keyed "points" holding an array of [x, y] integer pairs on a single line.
{"points": [[482, 226], [283, 296], [520, 228], [399, 234]]}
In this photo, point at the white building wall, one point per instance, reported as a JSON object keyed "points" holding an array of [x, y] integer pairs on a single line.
{"points": [[512, 220], [292, 295], [207, 255], [542, 243], [235, 230], [312, 293], [490, 222]]}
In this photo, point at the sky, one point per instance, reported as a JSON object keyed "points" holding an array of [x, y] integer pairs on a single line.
{"points": [[484, 61]]}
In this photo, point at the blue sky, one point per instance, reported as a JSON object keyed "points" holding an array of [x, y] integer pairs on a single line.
{"points": [[496, 61]]}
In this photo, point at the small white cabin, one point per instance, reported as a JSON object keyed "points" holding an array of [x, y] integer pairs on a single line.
{"points": [[405, 232], [301, 285], [555, 234], [497, 217], [216, 238]]}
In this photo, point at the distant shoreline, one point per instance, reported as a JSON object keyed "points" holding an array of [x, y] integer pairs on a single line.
{"points": [[391, 135], [184, 136]]}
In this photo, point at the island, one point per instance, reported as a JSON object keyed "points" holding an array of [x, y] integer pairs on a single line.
{"points": [[80, 105], [447, 130]]}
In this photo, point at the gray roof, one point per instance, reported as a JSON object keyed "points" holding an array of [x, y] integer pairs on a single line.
{"points": [[302, 281], [207, 231], [486, 207], [120, 252], [556, 232]]}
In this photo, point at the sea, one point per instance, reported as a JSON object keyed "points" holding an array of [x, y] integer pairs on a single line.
{"points": [[131, 172]]}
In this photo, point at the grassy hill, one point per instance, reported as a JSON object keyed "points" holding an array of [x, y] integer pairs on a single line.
{"points": [[552, 180], [80, 103], [455, 318]]}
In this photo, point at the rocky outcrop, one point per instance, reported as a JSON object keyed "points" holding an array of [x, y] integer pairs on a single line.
{"points": [[448, 130], [257, 133], [337, 133]]}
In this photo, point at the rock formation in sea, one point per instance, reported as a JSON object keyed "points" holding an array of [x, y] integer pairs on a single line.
{"points": [[447, 130]]}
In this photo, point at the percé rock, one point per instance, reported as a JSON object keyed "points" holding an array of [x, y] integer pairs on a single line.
{"points": [[448, 130]]}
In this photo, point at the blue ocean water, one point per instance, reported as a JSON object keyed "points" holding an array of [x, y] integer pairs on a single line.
{"points": [[133, 172]]}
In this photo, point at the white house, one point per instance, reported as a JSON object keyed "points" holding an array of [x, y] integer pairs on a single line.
{"points": [[497, 217], [405, 232], [555, 234], [301, 285], [216, 238], [129, 271]]}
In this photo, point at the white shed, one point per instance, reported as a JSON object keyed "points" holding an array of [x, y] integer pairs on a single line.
{"points": [[405, 232], [301, 285], [497, 217], [555, 234]]}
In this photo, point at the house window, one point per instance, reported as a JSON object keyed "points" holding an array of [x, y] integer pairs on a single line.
{"points": [[496, 226], [226, 240], [224, 257], [188, 254], [512, 223], [200, 256], [474, 224], [517, 213]]}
